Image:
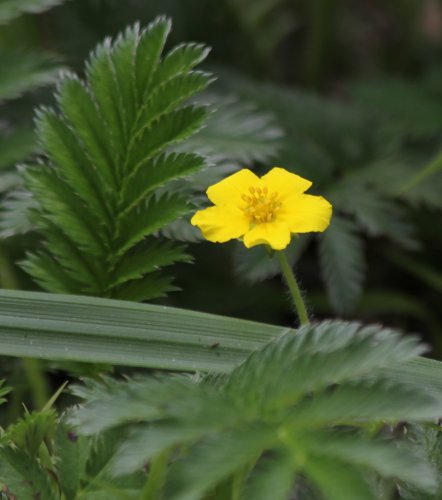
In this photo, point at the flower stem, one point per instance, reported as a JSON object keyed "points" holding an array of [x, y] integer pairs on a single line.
{"points": [[293, 287]]}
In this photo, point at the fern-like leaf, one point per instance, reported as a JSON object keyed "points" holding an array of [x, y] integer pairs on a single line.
{"points": [[342, 263], [297, 411], [101, 189]]}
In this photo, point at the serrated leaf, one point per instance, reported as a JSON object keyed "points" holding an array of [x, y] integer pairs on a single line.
{"points": [[169, 95], [179, 60], [55, 195], [215, 459], [237, 132], [22, 476], [342, 263], [150, 46], [15, 146], [14, 218], [156, 254], [337, 480], [3, 392], [101, 189], [146, 288], [72, 452], [49, 274], [29, 432], [63, 148], [272, 478], [157, 171], [378, 215], [169, 129], [333, 352], [146, 218], [25, 70], [81, 112]]}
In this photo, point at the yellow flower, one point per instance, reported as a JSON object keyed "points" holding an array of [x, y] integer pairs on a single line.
{"points": [[262, 211]]}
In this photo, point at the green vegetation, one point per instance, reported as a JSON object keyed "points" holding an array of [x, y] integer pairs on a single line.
{"points": [[211, 391]]}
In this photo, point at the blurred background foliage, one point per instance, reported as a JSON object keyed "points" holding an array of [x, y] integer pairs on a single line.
{"points": [[346, 93]]}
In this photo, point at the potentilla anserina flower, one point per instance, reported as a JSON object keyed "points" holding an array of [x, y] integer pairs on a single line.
{"points": [[262, 211]]}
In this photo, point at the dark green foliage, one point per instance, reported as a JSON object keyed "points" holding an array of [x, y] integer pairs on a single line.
{"points": [[102, 191], [342, 261], [366, 172], [10, 9], [3, 392], [25, 71], [303, 408]]}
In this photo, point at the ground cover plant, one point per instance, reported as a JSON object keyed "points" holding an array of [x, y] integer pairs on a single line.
{"points": [[105, 396]]}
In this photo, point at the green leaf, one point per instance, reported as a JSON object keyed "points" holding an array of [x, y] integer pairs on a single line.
{"points": [[146, 288], [169, 129], [49, 275], [179, 60], [337, 479], [83, 116], [168, 96], [15, 146], [318, 355], [55, 195], [310, 399], [146, 218], [147, 260], [65, 151], [3, 392], [74, 328], [26, 71], [236, 132], [10, 9], [89, 329], [152, 41], [71, 451], [378, 215], [157, 171], [104, 185], [14, 218], [342, 263], [215, 459], [272, 478], [400, 461], [387, 97], [29, 432], [23, 476]]}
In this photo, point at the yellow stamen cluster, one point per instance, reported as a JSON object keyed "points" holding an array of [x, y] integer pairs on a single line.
{"points": [[261, 206]]}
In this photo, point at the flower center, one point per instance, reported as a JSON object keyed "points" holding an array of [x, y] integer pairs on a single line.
{"points": [[260, 205]]}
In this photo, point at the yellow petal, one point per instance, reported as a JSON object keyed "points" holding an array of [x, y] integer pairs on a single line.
{"points": [[305, 213], [230, 189], [275, 234], [221, 224], [285, 183]]}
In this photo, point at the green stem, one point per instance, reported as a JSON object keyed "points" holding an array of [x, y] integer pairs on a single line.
{"points": [[153, 489], [293, 287], [37, 382]]}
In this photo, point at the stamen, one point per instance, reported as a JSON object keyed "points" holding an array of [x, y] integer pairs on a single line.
{"points": [[260, 206]]}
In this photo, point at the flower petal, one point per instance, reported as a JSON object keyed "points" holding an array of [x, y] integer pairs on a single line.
{"points": [[230, 189], [274, 234], [285, 183], [221, 224], [306, 213]]}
